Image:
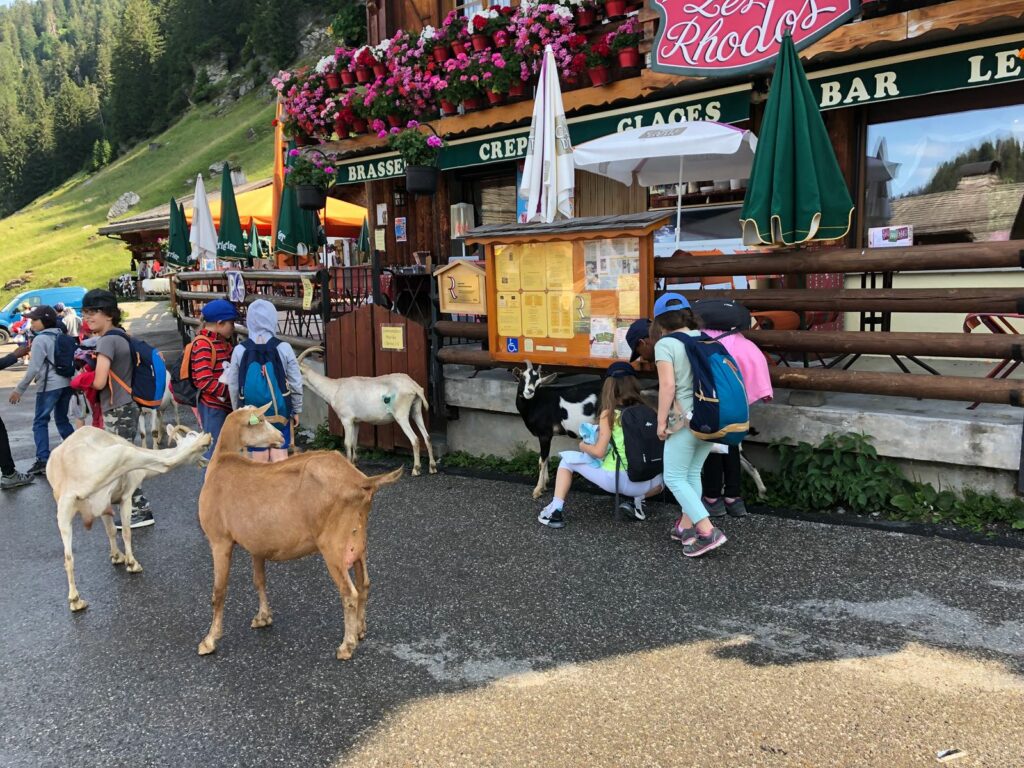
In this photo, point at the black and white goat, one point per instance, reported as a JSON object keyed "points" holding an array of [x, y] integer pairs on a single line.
{"points": [[549, 411]]}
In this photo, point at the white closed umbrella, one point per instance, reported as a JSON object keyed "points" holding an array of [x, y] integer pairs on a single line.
{"points": [[696, 150], [203, 236], [548, 174]]}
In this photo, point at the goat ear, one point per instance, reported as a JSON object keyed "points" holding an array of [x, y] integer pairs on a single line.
{"points": [[518, 373]]}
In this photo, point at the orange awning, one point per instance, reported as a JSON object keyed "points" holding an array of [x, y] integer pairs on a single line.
{"points": [[343, 219]]}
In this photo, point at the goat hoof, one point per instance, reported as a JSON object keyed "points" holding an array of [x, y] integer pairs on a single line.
{"points": [[78, 604], [207, 647], [134, 567], [117, 559], [416, 472], [433, 468], [262, 621], [344, 652], [537, 493]]}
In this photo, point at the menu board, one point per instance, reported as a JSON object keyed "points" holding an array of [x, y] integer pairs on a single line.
{"points": [[567, 301]]}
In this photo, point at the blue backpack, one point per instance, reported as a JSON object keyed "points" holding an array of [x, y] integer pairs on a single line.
{"points": [[261, 378], [720, 410], [149, 373]]}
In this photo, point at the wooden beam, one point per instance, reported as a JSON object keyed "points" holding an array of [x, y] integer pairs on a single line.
{"points": [[948, 300], [973, 14], [984, 345], [995, 255], [452, 329]]}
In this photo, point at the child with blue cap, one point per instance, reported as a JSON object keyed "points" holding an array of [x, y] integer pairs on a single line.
{"points": [[211, 353]]}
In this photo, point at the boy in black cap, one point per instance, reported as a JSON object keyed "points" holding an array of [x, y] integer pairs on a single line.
{"points": [[638, 338], [53, 391]]}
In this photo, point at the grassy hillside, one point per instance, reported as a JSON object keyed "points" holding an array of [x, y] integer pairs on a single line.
{"points": [[55, 236]]}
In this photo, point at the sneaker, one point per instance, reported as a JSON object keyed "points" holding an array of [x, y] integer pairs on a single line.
{"points": [[634, 511], [39, 468], [704, 544], [683, 535], [553, 520], [15, 480], [736, 508], [140, 504], [140, 519], [715, 508]]}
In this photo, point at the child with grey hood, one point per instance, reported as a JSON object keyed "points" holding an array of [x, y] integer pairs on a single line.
{"points": [[264, 370]]}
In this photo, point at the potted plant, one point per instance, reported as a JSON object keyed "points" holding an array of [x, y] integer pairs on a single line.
{"points": [[454, 32], [463, 76], [480, 30], [380, 56], [598, 57], [624, 42], [614, 9], [362, 64], [343, 58], [327, 68], [585, 12], [354, 100], [496, 76], [419, 151], [311, 173], [519, 72]]}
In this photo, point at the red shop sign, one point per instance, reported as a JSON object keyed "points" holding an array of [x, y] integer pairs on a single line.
{"points": [[725, 37]]}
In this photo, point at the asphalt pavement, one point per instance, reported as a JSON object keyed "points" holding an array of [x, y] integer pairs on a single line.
{"points": [[493, 641]]}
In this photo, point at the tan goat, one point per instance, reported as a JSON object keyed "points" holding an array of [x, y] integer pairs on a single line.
{"points": [[313, 502], [92, 469], [376, 400]]}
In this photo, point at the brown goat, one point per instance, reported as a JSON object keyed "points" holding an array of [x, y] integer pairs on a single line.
{"points": [[312, 502]]}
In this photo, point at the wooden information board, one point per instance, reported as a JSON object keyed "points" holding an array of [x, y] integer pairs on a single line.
{"points": [[567, 299]]}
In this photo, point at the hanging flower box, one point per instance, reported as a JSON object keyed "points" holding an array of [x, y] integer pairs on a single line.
{"points": [[311, 175], [421, 179], [310, 197], [420, 153]]}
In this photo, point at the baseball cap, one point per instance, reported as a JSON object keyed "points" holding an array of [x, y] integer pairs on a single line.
{"points": [[670, 302], [45, 313], [620, 370], [58, 307], [219, 310], [637, 332], [98, 298]]}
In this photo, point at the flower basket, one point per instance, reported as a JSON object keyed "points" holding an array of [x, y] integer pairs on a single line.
{"points": [[421, 179], [347, 78], [379, 70], [598, 75], [447, 108], [495, 99], [333, 81], [363, 74], [441, 53], [614, 9], [481, 42], [586, 17], [629, 58], [310, 197]]}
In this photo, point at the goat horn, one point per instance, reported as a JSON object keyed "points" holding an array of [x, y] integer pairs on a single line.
{"points": [[264, 409], [309, 350]]}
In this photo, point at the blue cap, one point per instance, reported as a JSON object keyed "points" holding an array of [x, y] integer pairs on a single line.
{"points": [[638, 331], [219, 310], [670, 302], [620, 370]]}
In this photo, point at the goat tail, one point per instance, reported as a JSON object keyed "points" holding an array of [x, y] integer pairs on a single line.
{"points": [[310, 350], [422, 396], [373, 484]]}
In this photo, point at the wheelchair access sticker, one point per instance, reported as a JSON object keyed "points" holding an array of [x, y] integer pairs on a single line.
{"points": [[512, 345]]}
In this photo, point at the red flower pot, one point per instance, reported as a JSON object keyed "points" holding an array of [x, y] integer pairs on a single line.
{"points": [[447, 108], [495, 99], [517, 90], [629, 58], [615, 9], [359, 126], [634, 5], [379, 70], [341, 128], [458, 48], [586, 17], [347, 78], [500, 38], [363, 74], [394, 121], [472, 104], [301, 140], [598, 75], [440, 53], [481, 42], [333, 80]]}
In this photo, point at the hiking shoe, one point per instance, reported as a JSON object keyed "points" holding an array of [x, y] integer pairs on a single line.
{"points": [[736, 508], [39, 468], [683, 535], [15, 480], [704, 544], [140, 519], [715, 508], [553, 520]]}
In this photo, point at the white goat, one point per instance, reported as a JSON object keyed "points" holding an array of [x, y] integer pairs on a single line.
{"points": [[92, 469], [376, 400], [156, 418]]}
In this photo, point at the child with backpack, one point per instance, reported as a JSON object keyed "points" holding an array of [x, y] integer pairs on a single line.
{"points": [[605, 462], [51, 365], [685, 453], [209, 356], [264, 370], [122, 365]]}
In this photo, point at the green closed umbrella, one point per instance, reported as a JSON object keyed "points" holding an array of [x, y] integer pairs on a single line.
{"points": [[298, 231], [254, 242], [178, 248], [796, 194], [230, 243]]}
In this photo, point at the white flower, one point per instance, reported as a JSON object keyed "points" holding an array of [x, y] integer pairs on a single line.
{"points": [[326, 64], [561, 10], [428, 33], [381, 49]]}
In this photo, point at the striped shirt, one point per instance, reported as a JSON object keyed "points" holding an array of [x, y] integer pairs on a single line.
{"points": [[210, 354]]}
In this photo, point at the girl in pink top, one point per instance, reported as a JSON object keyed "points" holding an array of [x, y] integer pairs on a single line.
{"points": [[722, 472]]}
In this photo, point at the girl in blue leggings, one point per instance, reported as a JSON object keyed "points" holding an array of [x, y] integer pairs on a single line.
{"points": [[684, 453]]}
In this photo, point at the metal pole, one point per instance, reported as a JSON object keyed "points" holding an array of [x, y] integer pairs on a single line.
{"points": [[679, 201]]}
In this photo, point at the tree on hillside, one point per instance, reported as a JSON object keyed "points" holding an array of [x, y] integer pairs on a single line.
{"points": [[1008, 151], [134, 66]]}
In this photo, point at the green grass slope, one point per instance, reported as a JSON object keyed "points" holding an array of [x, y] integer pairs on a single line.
{"points": [[55, 235]]}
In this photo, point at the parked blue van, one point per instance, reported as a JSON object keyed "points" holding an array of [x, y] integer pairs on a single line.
{"points": [[70, 296]]}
